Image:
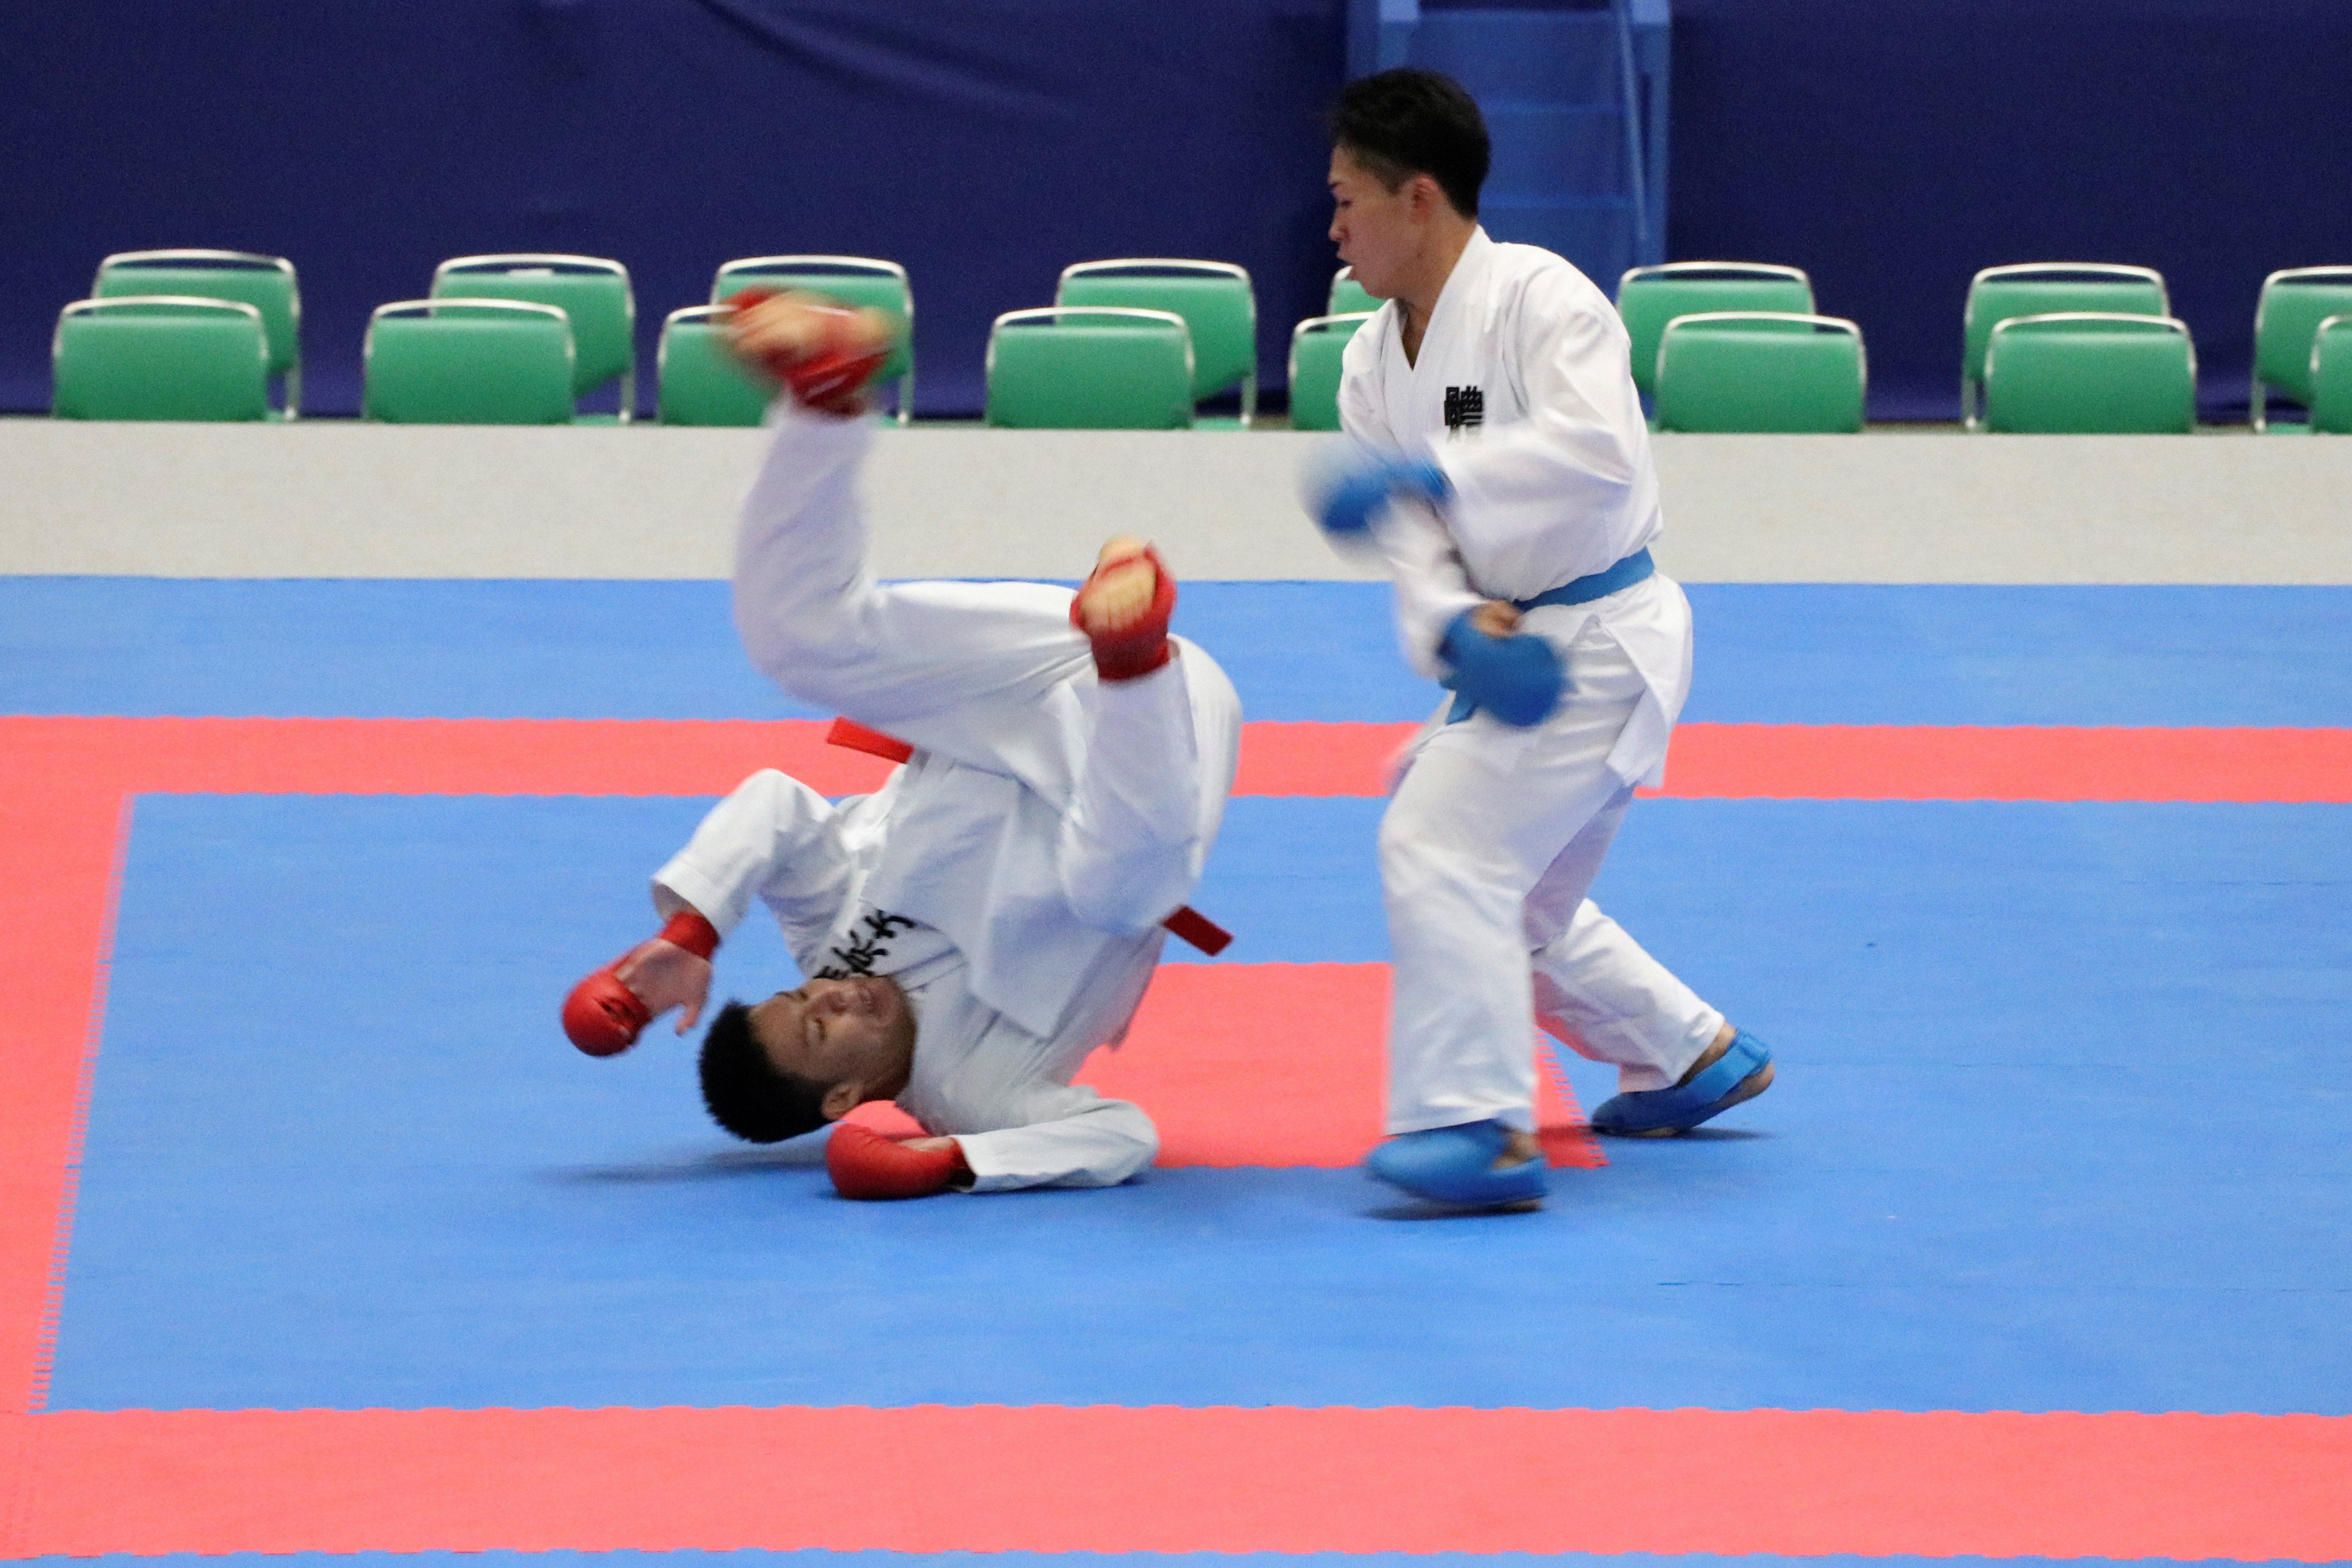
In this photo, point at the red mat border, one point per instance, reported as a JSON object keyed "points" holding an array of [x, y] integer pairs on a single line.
{"points": [[2115, 1484], [1055, 1478], [694, 757]]}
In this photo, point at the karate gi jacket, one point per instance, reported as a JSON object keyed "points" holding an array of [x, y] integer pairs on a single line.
{"points": [[1523, 393]]}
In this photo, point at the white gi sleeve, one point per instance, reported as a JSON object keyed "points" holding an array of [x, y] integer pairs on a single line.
{"points": [[1548, 498], [773, 839], [1431, 585], [1077, 1139]]}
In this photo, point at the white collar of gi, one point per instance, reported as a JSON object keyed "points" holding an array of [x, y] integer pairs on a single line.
{"points": [[1469, 272]]}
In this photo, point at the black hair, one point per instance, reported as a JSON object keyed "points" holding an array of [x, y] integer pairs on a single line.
{"points": [[1408, 121], [747, 1094]]}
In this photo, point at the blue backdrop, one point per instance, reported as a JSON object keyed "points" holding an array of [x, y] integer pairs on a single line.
{"points": [[1889, 146]]}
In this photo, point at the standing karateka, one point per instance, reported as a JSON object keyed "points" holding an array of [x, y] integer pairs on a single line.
{"points": [[1501, 463], [978, 925]]}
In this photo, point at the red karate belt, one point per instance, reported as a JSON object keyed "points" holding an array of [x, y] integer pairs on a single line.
{"points": [[1187, 924]]}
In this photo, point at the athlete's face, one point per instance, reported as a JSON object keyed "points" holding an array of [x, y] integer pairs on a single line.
{"points": [[831, 1032], [1373, 226]]}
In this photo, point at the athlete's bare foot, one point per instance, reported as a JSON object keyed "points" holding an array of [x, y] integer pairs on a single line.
{"points": [[1116, 597]]}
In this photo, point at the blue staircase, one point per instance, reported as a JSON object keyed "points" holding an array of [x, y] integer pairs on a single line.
{"points": [[1574, 92]]}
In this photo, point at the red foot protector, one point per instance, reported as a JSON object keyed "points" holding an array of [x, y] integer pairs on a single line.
{"points": [[603, 1017], [1141, 648], [832, 378], [866, 1164]]}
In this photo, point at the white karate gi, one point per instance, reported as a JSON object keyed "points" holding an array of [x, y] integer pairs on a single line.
{"points": [[1523, 393], [1044, 828]]}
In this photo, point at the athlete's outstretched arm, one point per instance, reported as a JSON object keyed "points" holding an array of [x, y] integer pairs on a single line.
{"points": [[1079, 1139]]}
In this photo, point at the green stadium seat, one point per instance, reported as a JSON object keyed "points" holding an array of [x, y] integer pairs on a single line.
{"points": [[453, 360], [1316, 345], [1998, 294], [854, 280], [265, 282], [1078, 368], [1650, 297], [2286, 322], [592, 293], [2331, 377], [1214, 298], [162, 356], [701, 381], [1347, 295], [2091, 372], [1756, 371]]}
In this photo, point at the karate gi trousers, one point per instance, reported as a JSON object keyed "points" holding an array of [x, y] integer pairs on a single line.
{"points": [[1487, 851]]}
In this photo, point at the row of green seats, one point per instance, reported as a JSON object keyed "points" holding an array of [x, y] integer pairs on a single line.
{"points": [[520, 339], [510, 338], [1137, 343], [2045, 347], [699, 383], [181, 334], [1130, 344], [1140, 342]]}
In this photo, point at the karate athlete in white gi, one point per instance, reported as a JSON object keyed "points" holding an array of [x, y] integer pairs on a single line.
{"points": [[1501, 463], [975, 929]]}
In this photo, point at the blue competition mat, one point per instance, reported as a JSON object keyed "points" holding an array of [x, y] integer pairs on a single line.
{"points": [[1772, 654], [2059, 1129]]}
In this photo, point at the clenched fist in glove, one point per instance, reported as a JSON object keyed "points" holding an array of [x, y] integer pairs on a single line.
{"points": [[605, 1012], [863, 1163]]}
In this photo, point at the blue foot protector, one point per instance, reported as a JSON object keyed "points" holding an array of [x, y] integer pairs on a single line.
{"points": [[1456, 1165], [1743, 1071]]}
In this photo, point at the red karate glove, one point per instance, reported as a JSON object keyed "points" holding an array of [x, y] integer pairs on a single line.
{"points": [[863, 1163], [603, 1017], [1140, 646], [828, 372]]}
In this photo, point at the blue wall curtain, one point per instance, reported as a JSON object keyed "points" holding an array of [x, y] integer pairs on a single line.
{"points": [[1891, 147]]}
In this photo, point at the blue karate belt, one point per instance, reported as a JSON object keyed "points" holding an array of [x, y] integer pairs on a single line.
{"points": [[1635, 567]]}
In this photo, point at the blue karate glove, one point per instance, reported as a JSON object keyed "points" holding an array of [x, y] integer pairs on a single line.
{"points": [[1345, 507], [1518, 678]]}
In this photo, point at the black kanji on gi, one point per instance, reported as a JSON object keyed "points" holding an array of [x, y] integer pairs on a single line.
{"points": [[1464, 405], [865, 950]]}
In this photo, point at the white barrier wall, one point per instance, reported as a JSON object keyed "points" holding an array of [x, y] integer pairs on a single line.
{"points": [[344, 500]]}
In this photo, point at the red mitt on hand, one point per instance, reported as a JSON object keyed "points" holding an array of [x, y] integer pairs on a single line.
{"points": [[863, 1163], [603, 1017]]}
